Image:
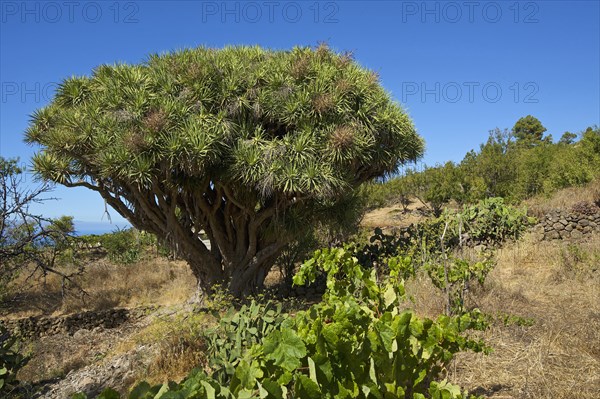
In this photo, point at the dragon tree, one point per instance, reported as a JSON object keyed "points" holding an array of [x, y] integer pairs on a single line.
{"points": [[250, 145]]}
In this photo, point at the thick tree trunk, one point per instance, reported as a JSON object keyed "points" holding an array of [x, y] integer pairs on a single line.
{"points": [[249, 279], [243, 280], [239, 257], [205, 281], [239, 276], [205, 278]]}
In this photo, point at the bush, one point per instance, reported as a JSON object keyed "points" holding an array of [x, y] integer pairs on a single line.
{"points": [[492, 221], [502, 167], [357, 343], [455, 275], [27, 238], [237, 331], [126, 246], [11, 361]]}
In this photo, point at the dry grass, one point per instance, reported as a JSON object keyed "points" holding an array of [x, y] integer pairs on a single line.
{"points": [[563, 199], [175, 345], [423, 297], [394, 216], [554, 284], [156, 281], [57, 355], [557, 286], [153, 281]]}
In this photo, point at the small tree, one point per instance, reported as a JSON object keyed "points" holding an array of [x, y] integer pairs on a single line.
{"points": [[567, 138], [529, 130], [399, 191], [248, 145], [436, 186], [590, 139], [491, 171], [25, 237]]}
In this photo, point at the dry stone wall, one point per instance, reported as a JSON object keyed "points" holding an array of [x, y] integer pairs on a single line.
{"points": [[39, 326], [565, 225]]}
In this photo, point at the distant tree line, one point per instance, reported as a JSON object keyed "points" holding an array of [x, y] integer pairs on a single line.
{"points": [[513, 164]]}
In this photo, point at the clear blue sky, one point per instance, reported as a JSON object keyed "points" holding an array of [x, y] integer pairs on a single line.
{"points": [[459, 68]]}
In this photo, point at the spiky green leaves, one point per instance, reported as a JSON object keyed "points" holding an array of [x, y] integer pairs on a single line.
{"points": [[304, 122]]}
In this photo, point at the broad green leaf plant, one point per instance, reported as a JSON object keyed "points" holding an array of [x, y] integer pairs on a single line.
{"points": [[357, 343]]}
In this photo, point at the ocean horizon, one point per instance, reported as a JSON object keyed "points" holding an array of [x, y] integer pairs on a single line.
{"points": [[83, 228]]}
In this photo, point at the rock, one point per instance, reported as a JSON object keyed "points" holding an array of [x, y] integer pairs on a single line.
{"points": [[558, 226], [538, 236], [576, 234], [121, 363], [85, 381], [80, 334], [569, 227], [552, 235], [563, 222]]}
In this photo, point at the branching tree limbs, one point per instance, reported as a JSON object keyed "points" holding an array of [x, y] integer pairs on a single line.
{"points": [[250, 146], [28, 239]]}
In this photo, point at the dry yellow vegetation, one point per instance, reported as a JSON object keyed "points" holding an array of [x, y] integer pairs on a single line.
{"points": [[544, 298], [150, 281], [545, 301]]}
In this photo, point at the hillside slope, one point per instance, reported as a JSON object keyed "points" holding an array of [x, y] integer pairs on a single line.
{"points": [[543, 298]]}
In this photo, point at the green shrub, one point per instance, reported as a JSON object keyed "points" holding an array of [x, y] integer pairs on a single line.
{"points": [[507, 320], [502, 167], [11, 361], [236, 332], [357, 343], [126, 246], [492, 221], [398, 190], [455, 275]]}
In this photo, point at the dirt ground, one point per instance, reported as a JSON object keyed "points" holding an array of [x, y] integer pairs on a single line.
{"points": [[544, 298], [395, 216]]}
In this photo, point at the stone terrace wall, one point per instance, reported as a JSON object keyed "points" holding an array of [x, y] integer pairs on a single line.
{"points": [[561, 224], [38, 326]]}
